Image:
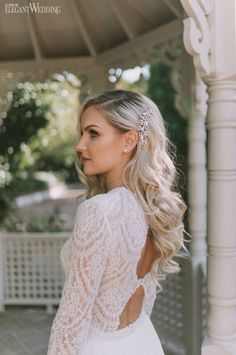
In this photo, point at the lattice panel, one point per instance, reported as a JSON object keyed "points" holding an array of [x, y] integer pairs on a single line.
{"points": [[168, 313], [32, 269], [205, 306]]}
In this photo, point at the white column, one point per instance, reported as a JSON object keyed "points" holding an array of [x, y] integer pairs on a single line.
{"points": [[197, 212], [190, 101], [2, 308], [221, 125], [197, 175], [209, 36]]}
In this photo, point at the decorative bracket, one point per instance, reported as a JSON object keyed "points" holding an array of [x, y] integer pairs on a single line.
{"points": [[197, 33]]}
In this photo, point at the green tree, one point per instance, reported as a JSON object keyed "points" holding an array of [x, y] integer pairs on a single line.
{"points": [[161, 91], [159, 88], [34, 135], [23, 120]]}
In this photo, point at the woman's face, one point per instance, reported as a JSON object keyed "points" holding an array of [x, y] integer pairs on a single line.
{"points": [[101, 147]]}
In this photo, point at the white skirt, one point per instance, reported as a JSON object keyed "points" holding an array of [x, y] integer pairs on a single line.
{"points": [[138, 338]]}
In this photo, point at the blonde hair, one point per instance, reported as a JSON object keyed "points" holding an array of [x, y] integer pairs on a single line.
{"points": [[150, 174]]}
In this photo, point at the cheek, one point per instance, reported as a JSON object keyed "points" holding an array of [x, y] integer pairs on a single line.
{"points": [[108, 148]]}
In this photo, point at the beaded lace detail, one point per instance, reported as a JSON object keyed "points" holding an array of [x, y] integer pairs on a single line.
{"points": [[100, 261]]}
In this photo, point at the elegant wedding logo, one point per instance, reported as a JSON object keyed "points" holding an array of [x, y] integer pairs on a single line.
{"points": [[32, 7]]}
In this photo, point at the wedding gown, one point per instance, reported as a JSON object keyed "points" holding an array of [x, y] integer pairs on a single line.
{"points": [[100, 263]]}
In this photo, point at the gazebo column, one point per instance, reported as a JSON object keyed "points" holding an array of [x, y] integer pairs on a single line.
{"points": [[197, 176], [197, 214], [209, 36], [221, 125], [191, 98], [191, 102]]}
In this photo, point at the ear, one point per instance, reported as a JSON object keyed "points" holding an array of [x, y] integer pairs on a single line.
{"points": [[130, 140]]}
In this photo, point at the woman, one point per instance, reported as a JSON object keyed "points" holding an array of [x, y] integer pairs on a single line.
{"points": [[126, 231]]}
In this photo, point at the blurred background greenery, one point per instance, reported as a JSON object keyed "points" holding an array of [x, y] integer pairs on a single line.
{"points": [[38, 133]]}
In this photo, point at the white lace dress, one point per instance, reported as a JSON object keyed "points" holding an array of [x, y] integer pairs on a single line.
{"points": [[100, 261]]}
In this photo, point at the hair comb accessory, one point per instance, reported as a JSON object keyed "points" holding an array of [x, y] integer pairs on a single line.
{"points": [[144, 125]]}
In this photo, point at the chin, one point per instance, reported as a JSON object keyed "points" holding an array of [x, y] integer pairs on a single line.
{"points": [[89, 172], [92, 172]]}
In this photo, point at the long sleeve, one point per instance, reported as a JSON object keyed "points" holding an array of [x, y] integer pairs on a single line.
{"points": [[85, 270]]}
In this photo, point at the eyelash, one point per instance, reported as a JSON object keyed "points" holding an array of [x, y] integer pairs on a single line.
{"points": [[91, 131]]}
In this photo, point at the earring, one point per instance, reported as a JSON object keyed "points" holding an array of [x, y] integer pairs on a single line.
{"points": [[125, 150]]}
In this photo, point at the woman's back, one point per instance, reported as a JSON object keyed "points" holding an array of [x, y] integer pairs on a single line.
{"points": [[111, 284]]}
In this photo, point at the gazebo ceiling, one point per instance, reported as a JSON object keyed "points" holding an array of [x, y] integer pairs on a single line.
{"points": [[85, 32]]}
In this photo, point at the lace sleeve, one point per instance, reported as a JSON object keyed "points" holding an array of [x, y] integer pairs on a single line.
{"points": [[88, 258]]}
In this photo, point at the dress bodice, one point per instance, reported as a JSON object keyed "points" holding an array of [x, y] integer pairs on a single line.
{"points": [[100, 263]]}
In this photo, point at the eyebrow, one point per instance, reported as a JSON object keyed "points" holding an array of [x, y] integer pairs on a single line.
{"points": [[89, 126]]}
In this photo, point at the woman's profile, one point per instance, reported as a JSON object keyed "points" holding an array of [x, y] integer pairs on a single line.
{"points": [[126, 232]]}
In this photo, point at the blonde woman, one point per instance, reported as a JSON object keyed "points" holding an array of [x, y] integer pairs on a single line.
{"points": [[126, 232]]}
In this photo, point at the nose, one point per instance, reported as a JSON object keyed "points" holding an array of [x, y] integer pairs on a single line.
{"points": [[81, 145]]}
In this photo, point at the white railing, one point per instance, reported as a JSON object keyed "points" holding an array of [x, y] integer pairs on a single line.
{"points": [[180, 322], [31, 274], [30, 269]]}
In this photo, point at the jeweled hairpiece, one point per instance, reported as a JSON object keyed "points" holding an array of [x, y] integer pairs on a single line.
{"points": [[144, 125]]}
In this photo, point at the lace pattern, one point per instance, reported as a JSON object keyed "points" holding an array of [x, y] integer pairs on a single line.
{"points": [[100, 262]]}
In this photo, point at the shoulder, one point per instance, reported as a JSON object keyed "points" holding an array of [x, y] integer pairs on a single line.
{"points": [[113, 199], [91, 224], [90, 210], [118, 203]]}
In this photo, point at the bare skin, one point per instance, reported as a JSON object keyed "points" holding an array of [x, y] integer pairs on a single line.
{"points": [[107, 152], [133, 307]]}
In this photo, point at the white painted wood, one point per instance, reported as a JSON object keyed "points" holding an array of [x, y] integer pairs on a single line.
{"points": [[2, 275], [190, 101], [31, 268], [34, 276], [119, 11], [197, 203], [222, 21], [219, 73], [139, 44], [197, 175], [82, 26], [175, 7], [205, 33], [221, 124], [33, 34], [197, 34], [75, 64]]}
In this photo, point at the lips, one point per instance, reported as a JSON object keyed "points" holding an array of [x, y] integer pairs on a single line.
{"points": [[84, 160]]}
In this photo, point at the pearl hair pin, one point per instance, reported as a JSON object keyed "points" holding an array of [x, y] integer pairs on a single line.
{"points": [[144, 125]]}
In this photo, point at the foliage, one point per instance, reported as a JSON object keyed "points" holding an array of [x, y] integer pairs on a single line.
{"points": [[33, 132], [47, 222], [22, 185], [23, 120], [159, 88], [53, 147], [161, 91], [141, 85]]}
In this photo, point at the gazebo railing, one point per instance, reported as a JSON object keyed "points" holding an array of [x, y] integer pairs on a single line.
{"points": [[31, 274], [180, 310], [30, 269]]}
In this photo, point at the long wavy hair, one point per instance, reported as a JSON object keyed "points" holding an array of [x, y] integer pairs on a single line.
{"points": [[150, 174]]}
